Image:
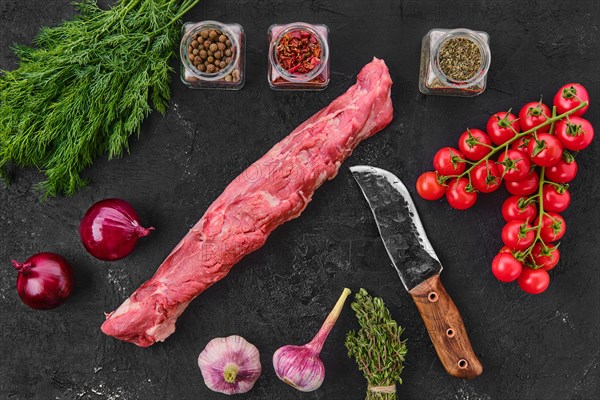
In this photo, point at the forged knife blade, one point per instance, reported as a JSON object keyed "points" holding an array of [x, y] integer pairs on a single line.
{"points": [[418, 266]]}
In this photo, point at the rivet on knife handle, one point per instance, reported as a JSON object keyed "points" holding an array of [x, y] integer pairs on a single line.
{"points": [[446, 329]]}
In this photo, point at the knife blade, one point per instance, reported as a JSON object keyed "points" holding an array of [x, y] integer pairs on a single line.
{"points": [[419, 268]]}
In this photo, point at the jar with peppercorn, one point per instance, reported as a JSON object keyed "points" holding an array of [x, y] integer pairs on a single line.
{"points": [[212, 55], [298, 56], [454, 62]]}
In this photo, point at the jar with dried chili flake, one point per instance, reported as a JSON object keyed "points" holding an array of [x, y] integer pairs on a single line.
{"points": [[298, 56], [454, 62]]}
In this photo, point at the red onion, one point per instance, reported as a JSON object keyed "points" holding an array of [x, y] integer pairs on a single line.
{"points": [[110, 229], [45, 280]]}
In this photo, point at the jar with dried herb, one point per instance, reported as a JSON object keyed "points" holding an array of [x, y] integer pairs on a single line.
{"points": [[212, 55], [454, 62], [298, 57]]}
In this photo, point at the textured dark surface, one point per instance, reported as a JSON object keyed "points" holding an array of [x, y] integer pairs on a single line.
{"points": [[532, 347]]}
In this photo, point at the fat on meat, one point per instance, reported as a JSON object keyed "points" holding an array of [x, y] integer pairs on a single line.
{"points": [[273, 190]]}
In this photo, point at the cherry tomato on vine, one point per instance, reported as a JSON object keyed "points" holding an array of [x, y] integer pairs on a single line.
{"points": [[518, 235], [555, 198], [506, 267], [570, 96], [521, 143], [575, 133], [505, 249], [501, 127], [545, 257], [534, 281], [553, 227], [517, 208], [545, 150], [474, 144], [524, 187], [564, 171], [533, 114], [459, 195], [429, 187], [485, 177], [513, 165], [448, 162]]}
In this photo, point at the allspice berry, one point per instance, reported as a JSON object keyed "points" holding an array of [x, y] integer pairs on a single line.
{"points": [[210, 51]]}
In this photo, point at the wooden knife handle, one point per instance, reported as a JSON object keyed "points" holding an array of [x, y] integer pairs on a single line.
{"points": [[446, 329]]}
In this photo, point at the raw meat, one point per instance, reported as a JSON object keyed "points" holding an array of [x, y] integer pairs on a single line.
{"points": [[273, 190]]}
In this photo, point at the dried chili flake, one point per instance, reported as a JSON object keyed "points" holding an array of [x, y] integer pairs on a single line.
{"points": [[299, 52]]}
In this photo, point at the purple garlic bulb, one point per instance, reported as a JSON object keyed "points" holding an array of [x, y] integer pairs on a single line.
{"points": [[230, 365]]}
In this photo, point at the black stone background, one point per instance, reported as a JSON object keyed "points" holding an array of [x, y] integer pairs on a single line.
{"points": [[532, 347]]}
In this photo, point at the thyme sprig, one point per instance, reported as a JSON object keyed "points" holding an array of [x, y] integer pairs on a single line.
{"points": [[86, 87], [377, 347]]}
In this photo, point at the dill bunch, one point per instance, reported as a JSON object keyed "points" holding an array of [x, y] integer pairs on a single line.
{"points": [[85, 88], [377, 347]]}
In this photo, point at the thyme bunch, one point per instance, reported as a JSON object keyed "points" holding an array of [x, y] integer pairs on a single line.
{"points": [[85, 88], [377, 347]]}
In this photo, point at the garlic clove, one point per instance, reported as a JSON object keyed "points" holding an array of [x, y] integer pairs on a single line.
{"points": [[230, 365]]}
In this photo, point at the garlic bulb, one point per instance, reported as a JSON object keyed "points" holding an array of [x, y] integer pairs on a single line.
{"points": [[230, 365], [300, 366]]}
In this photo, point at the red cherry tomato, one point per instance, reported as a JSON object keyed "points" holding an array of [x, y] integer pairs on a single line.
{"points": [[506, 267], [516, 208], [534, 281], [553, 227], [533, 114], [505, 249], [429, 187], [545, 150], [545, 257], [474, 144], [575, 133], [501, 127], [521, 143], [518, 235], [447, 162], [562, 172], [524, 187], [485, 177], [570, 96], [459, 195], [556, 199], [513, 165]]}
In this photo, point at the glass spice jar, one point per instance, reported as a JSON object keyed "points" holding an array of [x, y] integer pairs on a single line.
{"points": [[468, 47], [202, 68], [309, 71]]}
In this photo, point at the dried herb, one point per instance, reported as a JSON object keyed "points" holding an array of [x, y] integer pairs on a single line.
{"points": [[86, 87], [460, 59], [299, 52], [377, 347]]}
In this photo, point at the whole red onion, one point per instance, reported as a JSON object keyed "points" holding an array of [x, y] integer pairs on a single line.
{"points": [[110, 229], [45, 280]]}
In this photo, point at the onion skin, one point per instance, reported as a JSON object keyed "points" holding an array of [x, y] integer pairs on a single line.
{"points": [[110, 229], [45, 281]]}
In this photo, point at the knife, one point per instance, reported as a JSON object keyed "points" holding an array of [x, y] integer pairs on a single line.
{"points": [[419, 268]]}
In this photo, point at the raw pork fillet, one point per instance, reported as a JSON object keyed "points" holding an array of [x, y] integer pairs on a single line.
{"points": [[273, 190]]}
